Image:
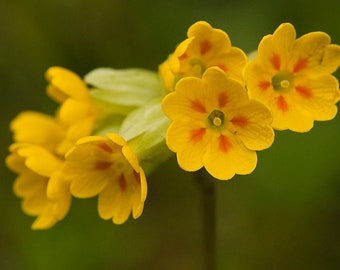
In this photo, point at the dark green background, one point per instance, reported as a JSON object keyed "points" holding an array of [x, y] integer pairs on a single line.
{"points": [[286, 215]]}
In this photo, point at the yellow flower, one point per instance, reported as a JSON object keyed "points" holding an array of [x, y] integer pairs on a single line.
{"points": [[41, 142], [37, 170], [77, 113], [205, 47], [215, 125], [292, 77], [37, 128], [107, 167]]}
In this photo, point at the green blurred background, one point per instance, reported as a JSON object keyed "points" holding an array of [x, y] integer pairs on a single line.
{"points": [[286, 215]]}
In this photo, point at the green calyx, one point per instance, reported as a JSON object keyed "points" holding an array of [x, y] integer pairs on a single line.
{"points": [[216, 119], [283, 81]]}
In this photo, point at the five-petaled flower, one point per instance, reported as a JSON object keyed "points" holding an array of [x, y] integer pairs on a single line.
{"points": [[215, 125], [205, 47], [292, 77], [109, 168]]}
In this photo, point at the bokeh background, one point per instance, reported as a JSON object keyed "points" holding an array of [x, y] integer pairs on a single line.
{"points": [[286, 215]]}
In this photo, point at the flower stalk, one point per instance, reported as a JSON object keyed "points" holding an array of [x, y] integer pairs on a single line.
{"points": [[208, 200]]}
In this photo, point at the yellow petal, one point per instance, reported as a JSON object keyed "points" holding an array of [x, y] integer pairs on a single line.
{"points": [[61, 207], [15, 163], [318, 96], [309, 49], [202, 31], [292, 118], [187, 102], [39, 160], [222, 92], [36, 203], [274, 50], [331, 58], [167, 75], [252, 124], [73, 110], [86, 182], [57, 186], [36, 128], [188, 140], [44, 221], [223, 161], [65, 83]]}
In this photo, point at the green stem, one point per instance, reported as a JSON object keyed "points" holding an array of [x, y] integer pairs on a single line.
{"points": [[208, 192]]}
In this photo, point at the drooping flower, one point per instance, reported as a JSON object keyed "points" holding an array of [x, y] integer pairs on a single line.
{"points": [[40, 143], [292, 77], [107, 167], [77, 112], [205, 47], [215, 125], [37, 171]]}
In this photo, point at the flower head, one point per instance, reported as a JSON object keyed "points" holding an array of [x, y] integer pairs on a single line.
{"points": [[215, 125], [77, 112], [38, 170], [40, 144], [205, 47], [292, 77], [107, 167]]}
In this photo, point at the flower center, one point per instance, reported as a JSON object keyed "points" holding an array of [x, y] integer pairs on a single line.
{"points": [[120, 164], [216, 119], [283, 81], [197, 67]]}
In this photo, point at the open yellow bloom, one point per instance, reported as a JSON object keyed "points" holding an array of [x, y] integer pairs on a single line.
{"points": [[292, 77], [205, 47], [38, 169], [215, 125], [107, 167]]}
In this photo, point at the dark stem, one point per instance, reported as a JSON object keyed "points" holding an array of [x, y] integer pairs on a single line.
{"points": [[207, 185]]}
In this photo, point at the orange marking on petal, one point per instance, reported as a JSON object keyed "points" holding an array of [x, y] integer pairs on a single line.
{"points": [[222, 100], [205, 47], [264, 85], [197, 106], [105, 147], [122, 183], [183, 56], [282, 104], [304, 91], [223, 67], [137, 177], [276, 61], [102, 165], [196, 135], [300, 64], [224, 144], [240, 121]]}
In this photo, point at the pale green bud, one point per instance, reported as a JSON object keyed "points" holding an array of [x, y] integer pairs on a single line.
{"points": [[145, 129], [119, 91]]}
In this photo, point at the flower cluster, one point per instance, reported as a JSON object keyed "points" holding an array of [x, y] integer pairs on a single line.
{"points": [[208, 104], [57, 157]]}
